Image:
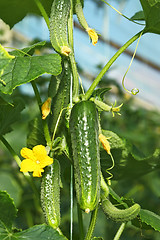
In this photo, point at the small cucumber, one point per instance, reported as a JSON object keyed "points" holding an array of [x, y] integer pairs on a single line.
{"points": [[120, 215], [58, 26], [85, 146], [61, 99], [50, 194]]}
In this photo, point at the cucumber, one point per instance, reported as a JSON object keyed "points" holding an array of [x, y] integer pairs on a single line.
{"points": [[61, 99], [58, 26], [50, 194], [84, 128], [120, 215]]}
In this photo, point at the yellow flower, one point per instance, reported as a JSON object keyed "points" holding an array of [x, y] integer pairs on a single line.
{"points": [[93, 35], [105, 143], [46, 108], [35, 160]]}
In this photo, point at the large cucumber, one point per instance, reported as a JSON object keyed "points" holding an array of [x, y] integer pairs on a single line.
{"points": [[85, 145], [50, 194], [58, 26]]}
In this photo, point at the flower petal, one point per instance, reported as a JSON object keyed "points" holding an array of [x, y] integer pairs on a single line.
{"points": [[93, 35], [27, 153], [39, 152], [27, 165], [37, 172], [46, 161]]}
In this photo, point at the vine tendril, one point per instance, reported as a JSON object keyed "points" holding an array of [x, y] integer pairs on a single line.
{"points": [[134, 91]]}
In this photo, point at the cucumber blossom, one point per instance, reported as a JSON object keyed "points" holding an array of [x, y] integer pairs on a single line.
{"points": [[58, 26], [84, 130], [50, 194]]}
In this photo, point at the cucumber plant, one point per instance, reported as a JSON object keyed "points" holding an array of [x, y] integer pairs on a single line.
{"points": [[69, 124]]}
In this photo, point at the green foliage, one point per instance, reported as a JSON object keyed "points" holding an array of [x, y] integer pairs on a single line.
{"points": [[9, 115], [21, 70], [7, 210], [150, 218], [15, 11], [152, 15]]}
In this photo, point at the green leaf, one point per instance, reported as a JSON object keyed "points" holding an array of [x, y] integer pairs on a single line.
{"points": [[22, 52], [5, 233], [21, 70], [151, 10], [9, 115], [150, 218], [14, 11], [99, 93], [7, 209], [9, 184], [40, 232], [36, 135], [139, 16], [114, 140]]}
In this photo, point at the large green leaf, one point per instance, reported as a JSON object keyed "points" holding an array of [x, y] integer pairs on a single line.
{"points": [[13, 11], [130, 162], [36, 233], [39, 232], [150, 218], [9, 115], [151, 10], [20, 70], [7, 209], [9, 184]]}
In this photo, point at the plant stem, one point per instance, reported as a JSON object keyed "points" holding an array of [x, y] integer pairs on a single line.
{"points": [[71, 55], [92, 224], [120, 231], [109, 64], [8, 146], [43, 12], [80, 222], [44, 122], [104, 186]]}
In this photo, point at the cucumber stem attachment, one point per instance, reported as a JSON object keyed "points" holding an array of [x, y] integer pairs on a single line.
{"points": [[92, 224]]}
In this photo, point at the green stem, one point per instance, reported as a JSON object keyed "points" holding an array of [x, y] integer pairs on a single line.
{"points": [[104, 186], [120, 231], [109, 64], [44, 122], [71, 56], [43, 12], [80, 222], [92, 224], [8, 146], [75, 77]]}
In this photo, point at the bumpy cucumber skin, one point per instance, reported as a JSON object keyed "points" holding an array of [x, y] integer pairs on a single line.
{"points": [[58, 24], [61, 100], [86, 159], [50, 194], [120, 215]]}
